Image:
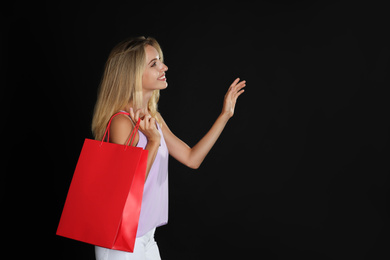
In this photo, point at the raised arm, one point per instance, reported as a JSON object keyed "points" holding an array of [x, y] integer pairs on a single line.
{"points": [[193, 157]]}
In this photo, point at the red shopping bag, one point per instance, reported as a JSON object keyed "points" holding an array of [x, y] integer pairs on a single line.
{"points": [[104, 199]]}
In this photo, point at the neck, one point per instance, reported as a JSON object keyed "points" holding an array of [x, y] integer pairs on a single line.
{"points": [[146, 95]]}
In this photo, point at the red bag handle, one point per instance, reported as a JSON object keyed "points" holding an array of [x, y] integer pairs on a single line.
{"points": [[132, 135]]}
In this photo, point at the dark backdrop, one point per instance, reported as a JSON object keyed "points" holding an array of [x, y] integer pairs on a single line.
{"points": [[302, 168]]}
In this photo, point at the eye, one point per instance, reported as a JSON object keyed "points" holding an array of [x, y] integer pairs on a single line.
{"points": [[154, 64]]}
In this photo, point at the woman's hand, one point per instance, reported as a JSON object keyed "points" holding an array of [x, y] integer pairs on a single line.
{"points": [[147, 125], [231, 96]]}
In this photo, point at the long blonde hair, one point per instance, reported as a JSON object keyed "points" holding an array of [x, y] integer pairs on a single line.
{"points": [[122, 82]]}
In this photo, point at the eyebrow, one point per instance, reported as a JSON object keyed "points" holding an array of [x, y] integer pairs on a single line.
{"points": [[153, 60]]}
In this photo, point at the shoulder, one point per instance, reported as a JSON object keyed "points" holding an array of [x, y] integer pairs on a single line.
{"points": [[164, 127], [160, 119], [161, 122], [120, 129], [121, 121]]}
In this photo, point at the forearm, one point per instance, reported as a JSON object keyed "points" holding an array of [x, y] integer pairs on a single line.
{"points": [[203, 147], [152, 148]]}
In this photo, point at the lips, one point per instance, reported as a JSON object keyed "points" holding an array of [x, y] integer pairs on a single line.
{"points": [[162, 77]]}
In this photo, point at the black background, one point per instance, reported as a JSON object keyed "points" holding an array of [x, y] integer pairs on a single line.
{"points": [[301, 170]]}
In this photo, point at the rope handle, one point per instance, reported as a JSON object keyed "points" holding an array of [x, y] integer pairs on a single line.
{"points": [[132, 135]]}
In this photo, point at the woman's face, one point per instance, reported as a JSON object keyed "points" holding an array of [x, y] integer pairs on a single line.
{"points": [[154, 74]]}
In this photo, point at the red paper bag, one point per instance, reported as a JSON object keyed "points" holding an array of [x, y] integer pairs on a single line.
{"points": [[104, 199]]}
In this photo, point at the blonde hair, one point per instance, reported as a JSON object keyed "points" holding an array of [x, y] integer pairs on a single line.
{"points": [[122, 82]]}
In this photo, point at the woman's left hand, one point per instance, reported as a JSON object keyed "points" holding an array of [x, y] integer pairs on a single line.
{"points": [[229, 103]]}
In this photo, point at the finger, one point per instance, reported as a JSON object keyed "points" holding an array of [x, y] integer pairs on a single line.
{"points": [[238, 89], [238, 94], [240, 85], [131, 111], [234, 83], [147, 120], [232, 92], [133, 115], [137, 115], [146, 111], [152, 122]]}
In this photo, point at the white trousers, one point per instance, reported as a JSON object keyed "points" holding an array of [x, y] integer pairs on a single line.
{"points": [[145, 249]]}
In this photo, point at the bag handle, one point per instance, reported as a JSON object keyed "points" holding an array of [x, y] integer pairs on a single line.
{"points": [[132, 135]]}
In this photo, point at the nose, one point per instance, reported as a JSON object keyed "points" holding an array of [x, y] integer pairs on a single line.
{"points": [[164, 67]]}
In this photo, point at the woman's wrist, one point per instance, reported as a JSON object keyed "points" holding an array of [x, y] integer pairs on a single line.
{"points": [[153, 142], [225, 116]]}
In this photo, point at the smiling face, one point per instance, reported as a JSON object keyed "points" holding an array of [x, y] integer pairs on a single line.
{"points": [[154, 74]]}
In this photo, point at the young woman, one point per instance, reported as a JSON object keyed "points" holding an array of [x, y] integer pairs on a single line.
{"points": [[132, 80]]}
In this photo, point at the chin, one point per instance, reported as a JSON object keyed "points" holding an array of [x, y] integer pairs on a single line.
{"points": [[163, 85], [156, 86]]}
